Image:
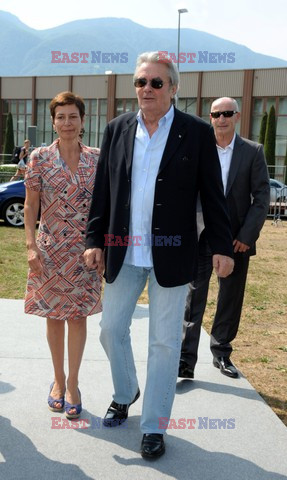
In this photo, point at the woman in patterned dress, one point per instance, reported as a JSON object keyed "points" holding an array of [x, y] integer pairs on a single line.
{"points": [[60, 287]]}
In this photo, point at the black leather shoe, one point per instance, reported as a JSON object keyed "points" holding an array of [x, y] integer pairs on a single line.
{"points": [[226, 366], [117, 413], [185, 370], [152, 445]]}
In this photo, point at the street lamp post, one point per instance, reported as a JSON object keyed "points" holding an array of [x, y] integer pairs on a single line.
{"points": [[180, 11]]}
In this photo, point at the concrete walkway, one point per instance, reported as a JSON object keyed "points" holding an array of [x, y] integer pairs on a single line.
{"points": [[235, 435]]}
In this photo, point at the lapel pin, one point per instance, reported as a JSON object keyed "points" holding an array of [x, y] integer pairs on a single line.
{"points": [[179, 136]]}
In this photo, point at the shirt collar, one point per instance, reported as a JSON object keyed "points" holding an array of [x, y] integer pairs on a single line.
{"points": [[231, 145], [165, 121]]}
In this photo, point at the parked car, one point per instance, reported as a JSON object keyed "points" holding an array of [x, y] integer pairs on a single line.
{"points": [[278, 191], [12, 196]]}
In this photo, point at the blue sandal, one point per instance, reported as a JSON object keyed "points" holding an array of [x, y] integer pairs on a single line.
{"points": [[77, 407], [52, 401]]}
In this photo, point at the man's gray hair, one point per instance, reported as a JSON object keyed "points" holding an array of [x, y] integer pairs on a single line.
{"points": [[159, 57]]}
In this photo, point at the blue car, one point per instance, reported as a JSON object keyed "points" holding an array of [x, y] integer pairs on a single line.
{"points": [[12, 196]]}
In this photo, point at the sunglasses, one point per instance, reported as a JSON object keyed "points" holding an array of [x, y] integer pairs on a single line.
{"points": [[156, 83], [227, 113]]}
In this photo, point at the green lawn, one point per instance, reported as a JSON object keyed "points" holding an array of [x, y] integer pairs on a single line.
{"points": [[13, 262]]}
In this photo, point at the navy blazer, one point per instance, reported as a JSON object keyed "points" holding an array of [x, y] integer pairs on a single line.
{"points": [[189, 164]]}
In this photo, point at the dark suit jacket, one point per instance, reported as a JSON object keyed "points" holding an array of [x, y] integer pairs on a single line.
{"points": [[189, 164], [248, 191]]}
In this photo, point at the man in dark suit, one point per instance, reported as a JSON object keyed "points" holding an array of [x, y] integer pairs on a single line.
{"points": [[143, 214], [246, 185]]}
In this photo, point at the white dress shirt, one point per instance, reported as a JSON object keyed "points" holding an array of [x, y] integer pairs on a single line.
{"points": [[225, 155], [147, 156]]}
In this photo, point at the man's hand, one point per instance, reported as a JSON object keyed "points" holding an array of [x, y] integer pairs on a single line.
{"points": [[240, 247], [94, 259], [222, 265]]}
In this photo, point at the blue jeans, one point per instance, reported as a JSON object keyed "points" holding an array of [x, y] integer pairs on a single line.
{"points": [[166, 311]]}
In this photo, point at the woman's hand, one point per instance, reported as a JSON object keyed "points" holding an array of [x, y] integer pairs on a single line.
{"points": [[35, 260]]}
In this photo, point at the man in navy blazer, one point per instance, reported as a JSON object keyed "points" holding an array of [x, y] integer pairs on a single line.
{"points": [[246, 185], [143, 216]]}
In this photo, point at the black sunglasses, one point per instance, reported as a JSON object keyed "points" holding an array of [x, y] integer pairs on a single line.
{"points": [[156, 83], [227, 113]]}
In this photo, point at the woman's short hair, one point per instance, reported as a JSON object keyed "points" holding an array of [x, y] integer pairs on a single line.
{"points": [[67, 98], [159, 57]]}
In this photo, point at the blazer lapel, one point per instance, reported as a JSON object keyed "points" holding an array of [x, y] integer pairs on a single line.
{"points": [[129, 134], [235, 162], [175, 137]]}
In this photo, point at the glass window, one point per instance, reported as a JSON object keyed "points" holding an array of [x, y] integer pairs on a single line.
{"points": [[129, 105], [29, 106], [281, 146], [5, 106], [206, 106], [187, 105], [239, 101], [255, 128], [94, 106], [119, 107], [21, 106], [40, 107], [191, 104], [258, 106], [282, 106], [93, 131], [269, 102], [103, 106], [13, 107], [281, 126], [28, 121]]}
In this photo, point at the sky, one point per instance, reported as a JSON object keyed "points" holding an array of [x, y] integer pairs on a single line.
{"points": [[258, 24]]}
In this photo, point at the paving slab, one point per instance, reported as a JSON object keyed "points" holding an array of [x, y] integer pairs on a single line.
{"points": [[220, 428]]}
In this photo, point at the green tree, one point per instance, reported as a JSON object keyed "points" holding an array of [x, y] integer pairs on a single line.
{"points": [[270, 137], [263, 128], [9, 136]]}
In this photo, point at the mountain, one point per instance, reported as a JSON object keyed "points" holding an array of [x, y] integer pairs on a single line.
{"points": [[96, 45]]}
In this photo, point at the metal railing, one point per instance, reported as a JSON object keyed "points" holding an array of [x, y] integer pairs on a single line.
{"points": [[278, 204]]}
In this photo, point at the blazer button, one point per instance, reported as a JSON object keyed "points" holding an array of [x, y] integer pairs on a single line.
{"points": [[125, 229]]}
